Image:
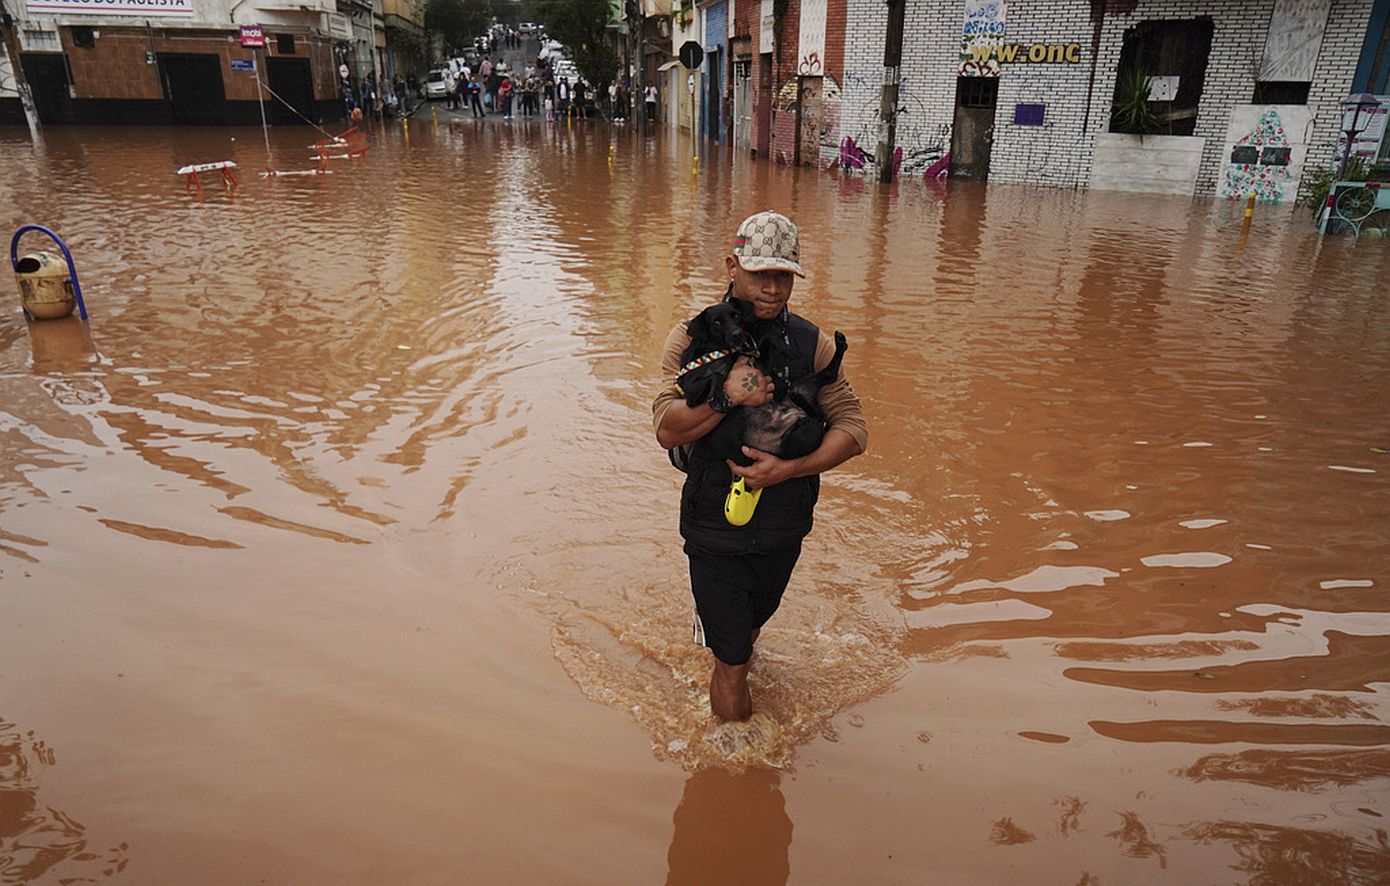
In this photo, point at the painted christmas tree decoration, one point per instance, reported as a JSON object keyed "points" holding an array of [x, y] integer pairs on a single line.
{"points": [[1260, 162]]}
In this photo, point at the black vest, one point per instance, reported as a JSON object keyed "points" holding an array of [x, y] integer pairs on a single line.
{"points": [[784, 513]]}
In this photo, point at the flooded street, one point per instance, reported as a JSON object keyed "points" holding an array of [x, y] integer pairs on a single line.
{"points": [[340, 550]]}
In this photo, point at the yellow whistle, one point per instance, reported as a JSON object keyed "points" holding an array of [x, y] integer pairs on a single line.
{"points": [[740, 503]]}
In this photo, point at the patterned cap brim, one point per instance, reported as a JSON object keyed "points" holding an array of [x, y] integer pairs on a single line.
{"points": [[767, 263]]}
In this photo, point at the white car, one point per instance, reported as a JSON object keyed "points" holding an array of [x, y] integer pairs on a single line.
{"points": [[528, 27], [437, 84]]}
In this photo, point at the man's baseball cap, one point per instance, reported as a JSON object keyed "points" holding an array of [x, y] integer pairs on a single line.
{"points": [[768, 240]]}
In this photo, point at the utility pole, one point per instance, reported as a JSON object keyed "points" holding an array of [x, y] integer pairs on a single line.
{"points": [[888, 103], [637, 98], [26, 98]]}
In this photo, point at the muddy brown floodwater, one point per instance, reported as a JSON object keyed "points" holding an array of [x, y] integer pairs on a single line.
{"points": [[339, 550]]}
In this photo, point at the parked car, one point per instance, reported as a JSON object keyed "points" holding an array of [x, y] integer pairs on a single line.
{"points": [[528, 27], [437, 83], [553, 50]]}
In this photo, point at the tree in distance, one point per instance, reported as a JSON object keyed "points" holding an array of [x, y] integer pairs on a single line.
{"points": [[457, 22], [582, 27]]}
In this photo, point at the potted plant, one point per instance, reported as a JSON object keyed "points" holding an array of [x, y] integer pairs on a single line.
{"points": [[1131, 112]]}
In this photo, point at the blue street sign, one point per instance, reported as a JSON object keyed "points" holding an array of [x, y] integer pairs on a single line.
{"points": [[243, 64]]}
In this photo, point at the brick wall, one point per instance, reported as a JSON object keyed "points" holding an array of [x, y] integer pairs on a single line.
{"points": [[115, 67], [1332, 81], [782, 139], [1060, 152], [927, 90], [747, 26], [836, 22]]}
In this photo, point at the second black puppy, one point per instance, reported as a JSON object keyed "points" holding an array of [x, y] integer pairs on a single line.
{"points": [[790, 426]]}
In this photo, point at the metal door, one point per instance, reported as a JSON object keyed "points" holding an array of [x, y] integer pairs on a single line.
{"points": [[811, 112], [193, 86], [48, 81], [972, 133], [743, 104], [292, 82]]}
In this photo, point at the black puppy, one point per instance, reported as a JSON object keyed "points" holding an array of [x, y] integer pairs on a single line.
{"points": [[790, 426], [718, 336]]}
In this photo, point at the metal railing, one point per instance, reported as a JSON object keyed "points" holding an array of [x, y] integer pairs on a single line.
{"points": [[1358, 208]]}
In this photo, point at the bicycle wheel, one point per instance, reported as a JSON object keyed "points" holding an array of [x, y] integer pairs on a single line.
{"points": [[1354, 204], [1377, 224]]}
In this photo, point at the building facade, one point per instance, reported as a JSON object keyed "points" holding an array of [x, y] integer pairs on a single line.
{"points": [[1241, 94], [184, 62]]}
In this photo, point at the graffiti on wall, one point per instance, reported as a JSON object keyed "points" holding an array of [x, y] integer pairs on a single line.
{"points": [[828, 139], [817, 100], [924, 143], [981, 35], [811, 39], [1295, 36], [1264, 152]]}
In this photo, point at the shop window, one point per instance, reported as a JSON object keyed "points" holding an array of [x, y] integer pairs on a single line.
{"points": [[1172, 54], [977, 92], [83, 38], [1280, 92], [41, 41], [284, 44], [1245, 154]]}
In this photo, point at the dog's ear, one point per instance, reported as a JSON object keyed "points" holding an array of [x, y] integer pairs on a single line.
{"points": [[743, 309], [697, 327]]}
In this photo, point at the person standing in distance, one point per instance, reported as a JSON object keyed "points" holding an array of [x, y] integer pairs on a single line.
{"points": [[738, 573], [649, 97]]}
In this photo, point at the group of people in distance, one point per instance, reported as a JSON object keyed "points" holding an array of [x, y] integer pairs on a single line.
{"points": [[536, 90]]}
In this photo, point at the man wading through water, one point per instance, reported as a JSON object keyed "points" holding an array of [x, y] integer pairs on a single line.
{"points": [[738, 573]]}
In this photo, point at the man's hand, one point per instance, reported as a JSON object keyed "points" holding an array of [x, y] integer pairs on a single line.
{"points": [[766, 469], [746, 386]]}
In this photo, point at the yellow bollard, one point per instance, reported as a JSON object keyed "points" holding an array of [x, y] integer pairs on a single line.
{"points": [[1249, 215], [434, 112], [612, 149], [695, 165]]}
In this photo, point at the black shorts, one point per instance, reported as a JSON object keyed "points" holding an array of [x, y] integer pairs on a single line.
{"points": [[735, 594]]}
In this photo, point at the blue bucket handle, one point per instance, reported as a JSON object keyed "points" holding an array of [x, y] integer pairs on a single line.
{"points": [[72, 268]]}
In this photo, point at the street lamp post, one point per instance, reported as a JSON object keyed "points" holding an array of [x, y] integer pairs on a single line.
{"points": [[1354, 109], [9, 48]]}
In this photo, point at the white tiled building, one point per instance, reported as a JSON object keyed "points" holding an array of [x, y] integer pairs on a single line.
{"points": [[1048, 120]]}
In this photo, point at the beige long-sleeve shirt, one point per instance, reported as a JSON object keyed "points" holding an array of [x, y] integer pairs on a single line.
{"points": [[837, 399]]}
